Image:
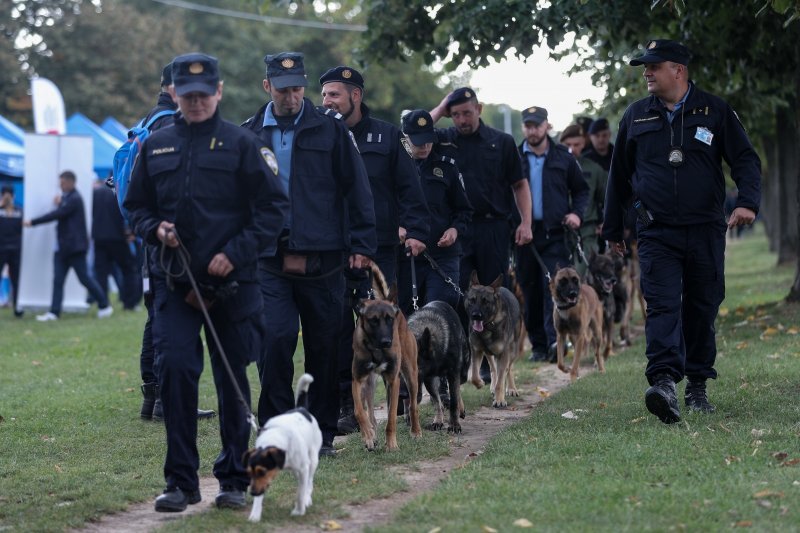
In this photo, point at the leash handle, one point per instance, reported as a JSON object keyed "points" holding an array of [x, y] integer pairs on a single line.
{"points": [[540, 261], [414, 294], [578, 244]]}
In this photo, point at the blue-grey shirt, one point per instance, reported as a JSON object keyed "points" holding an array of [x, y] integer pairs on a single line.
{"points": [[535, 177], [679, 105], [282, 142]]}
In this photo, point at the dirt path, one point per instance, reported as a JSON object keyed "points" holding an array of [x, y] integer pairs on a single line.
{"points": [[478, 429]]}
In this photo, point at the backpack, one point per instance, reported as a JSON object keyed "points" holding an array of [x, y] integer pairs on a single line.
{"points": [[125, 157]]}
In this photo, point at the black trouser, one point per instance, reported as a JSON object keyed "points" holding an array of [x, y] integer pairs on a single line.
{"points": [[77, 261], [430, 284], [12, 258], [485, 247], [683, 282], [109, 253], [317, 305], [533, 281], [176, 329]]}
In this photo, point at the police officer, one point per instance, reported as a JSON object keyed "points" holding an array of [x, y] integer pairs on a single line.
{"points": [[11, 241], [450, 215], [601, 148], [560, 195], [204, 193], [667, 165], [331, 216], [400, 210]]}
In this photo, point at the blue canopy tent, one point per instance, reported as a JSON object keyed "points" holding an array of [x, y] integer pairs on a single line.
{"points": [[105, 145], [115, 128], [11, 132], [12, 158]]}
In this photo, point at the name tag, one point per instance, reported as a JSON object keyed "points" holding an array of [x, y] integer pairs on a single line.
{"points": [[704, 135]]}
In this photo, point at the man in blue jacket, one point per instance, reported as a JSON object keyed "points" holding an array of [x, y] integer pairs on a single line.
{"points": [[331, 224], [73, 243], [667, 166], [560, 195]]}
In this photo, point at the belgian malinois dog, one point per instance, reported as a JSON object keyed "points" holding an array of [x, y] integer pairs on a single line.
{"points": [[495, 333], [383, 344], [577, 314], [601, 276]]}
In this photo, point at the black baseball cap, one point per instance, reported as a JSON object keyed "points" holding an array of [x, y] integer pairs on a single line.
{"points": [[459, 96], [286, 70], [537, 115], [660, 50], [195, 73], [601, 124], [343, 74], [418, 125]]}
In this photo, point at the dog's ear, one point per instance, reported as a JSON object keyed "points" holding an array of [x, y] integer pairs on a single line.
{"points": [[361, 307], [392, 297], [498, 282], [247, 455], [276, 458], [473, 278]]}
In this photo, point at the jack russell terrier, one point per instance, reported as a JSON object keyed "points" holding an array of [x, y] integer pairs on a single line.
{"points": [[290, 441]]}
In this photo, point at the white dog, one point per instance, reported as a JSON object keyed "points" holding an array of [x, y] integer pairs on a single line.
{"points": [[289, 441]]}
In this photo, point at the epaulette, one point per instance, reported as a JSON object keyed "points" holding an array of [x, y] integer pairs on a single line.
{"points": [[446, 159], [247, 122], [329, 112]]}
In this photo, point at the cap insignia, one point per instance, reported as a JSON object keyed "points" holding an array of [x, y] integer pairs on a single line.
{"points": [[652, 45], [196, 68], [287, 63], [467, 94], [346, 74], [531, 110], [421, 121]]}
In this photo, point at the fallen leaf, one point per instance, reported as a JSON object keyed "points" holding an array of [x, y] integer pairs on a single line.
{"points": [[637, 420], [766, 504], [487, 529], [767, 333], [758, 432], [790, 462], [354, 481], [792, 331], [767, 494], [435, 530], [569, 415], [741, 345], [36, 363], [130, 389], [58, 469], [602, 405], [743, 523], [780, 456], [723, 311], [732, 459], [544, 393], [523, 522], [330, 525]]}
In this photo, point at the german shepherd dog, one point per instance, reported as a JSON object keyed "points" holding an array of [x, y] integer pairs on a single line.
{"points": [[442, 352], [495, 333], [577, 314], [601, 276], [383, 344], [622, 293]]}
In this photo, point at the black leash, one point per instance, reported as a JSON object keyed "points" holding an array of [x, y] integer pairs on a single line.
{"points": [[578, 243], [183, 256], [447, 279], [540, 261], [414, 295]]}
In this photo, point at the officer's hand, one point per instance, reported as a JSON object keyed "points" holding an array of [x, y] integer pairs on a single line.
{"points": [[166, 234], [572, 220], [414, 246], [448, 238], [741, 216], [441, 110], [27, 223], [57, 199], [523, 235], [617, 247], [220, 265], [358, 261], [401, 233]]}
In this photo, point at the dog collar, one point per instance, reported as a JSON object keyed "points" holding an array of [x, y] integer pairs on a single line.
{"points": [[565, 307]]}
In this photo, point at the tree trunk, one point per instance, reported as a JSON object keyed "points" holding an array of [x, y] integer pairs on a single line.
{"points": [[787, 143], [794, 292]]}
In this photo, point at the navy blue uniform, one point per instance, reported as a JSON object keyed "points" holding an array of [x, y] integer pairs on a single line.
{"points": [[212, 181], [11, 246], [682, 252], [332, 215], [564, 191], [111, 246], [490, 165], [73, 242], [449, 208], [399, 201]]}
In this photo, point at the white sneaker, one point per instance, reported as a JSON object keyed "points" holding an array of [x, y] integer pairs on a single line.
{"points": [[46, 317], [105, 312]]}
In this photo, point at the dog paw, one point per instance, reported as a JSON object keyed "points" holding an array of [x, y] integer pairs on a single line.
{"points": [[478, 383], [563, 369], [298, 511], [456, 429], [499, 405], [462, 414], [254, 517], [434, 426]]}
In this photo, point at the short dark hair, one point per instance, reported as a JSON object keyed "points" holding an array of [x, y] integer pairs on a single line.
{"points": [[68, 175], [573, 130]]}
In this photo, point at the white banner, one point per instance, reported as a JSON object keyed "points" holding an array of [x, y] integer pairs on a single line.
{"points": [[48, 107], [49, 156]]}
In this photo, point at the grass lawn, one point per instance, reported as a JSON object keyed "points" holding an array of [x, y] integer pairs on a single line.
{"points": [[74, 449]]}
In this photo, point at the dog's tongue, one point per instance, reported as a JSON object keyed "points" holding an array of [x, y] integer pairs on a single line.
{"points": [[477, 325]]}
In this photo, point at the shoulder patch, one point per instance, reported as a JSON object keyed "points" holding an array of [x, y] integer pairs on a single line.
{"points": [[407, 145], [438, 172], [330, 112], [270, 159]]}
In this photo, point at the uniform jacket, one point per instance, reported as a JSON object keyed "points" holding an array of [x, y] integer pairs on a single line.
{"points": [[107, 222], [10, 230], [71, 230], [329, 195], [694, 192], [395, 186], [447, 201], [164, 103], [564, 190], [596, 178], [490, 165], [213, 182]]}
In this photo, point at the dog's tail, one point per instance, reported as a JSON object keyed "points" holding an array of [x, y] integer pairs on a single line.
{"points": [[379, 285], [301, 398]]}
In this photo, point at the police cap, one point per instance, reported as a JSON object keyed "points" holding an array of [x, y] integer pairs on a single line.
{"points": [[166, 75], [195, 73], [418, 125], [601, 124], [537, 115], [286, 70], [343, 74], [660, 50], [459, 96]]}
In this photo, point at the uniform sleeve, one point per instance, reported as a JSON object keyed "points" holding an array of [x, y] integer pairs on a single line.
{"points": [[140, 200], [459, 203], [67, 207], [578, 188], [618, 190], [414, 215], [267, 202], [745, 164], [359, 204], [512, 161]]}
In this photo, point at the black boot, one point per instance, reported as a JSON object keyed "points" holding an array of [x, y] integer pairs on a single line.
{"points": [[149, 391], [158, 412], [696, 397], [347, 422], [661, 399]]}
